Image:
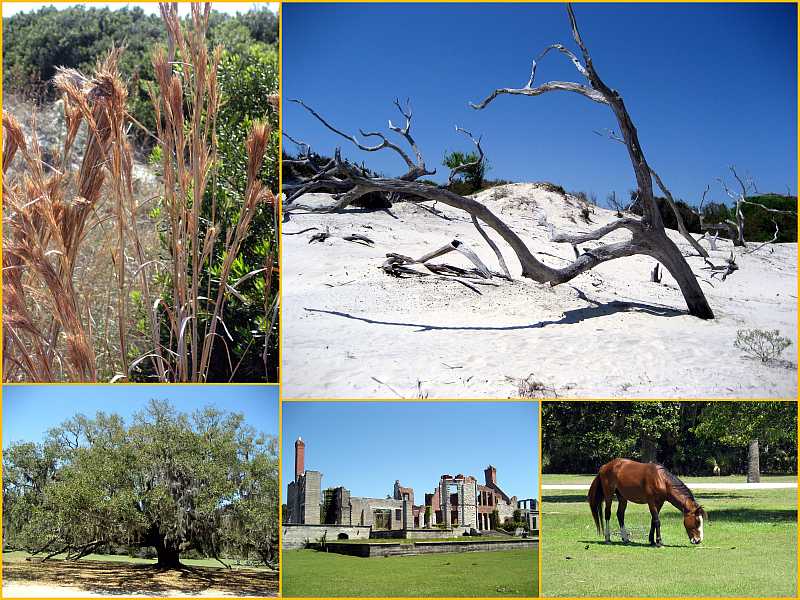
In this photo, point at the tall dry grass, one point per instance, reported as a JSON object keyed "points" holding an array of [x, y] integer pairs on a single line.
{"points": [[50, 331]]}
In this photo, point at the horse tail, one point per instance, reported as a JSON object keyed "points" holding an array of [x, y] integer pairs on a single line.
{"points": [[595, 499]]}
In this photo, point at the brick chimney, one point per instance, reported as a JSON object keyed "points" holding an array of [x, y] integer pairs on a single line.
{"points": [[491, 476], [299, 458]]}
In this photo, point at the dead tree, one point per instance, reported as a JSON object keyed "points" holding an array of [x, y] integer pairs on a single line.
{"points": [[612, 201], [648, 236], [737, 227]]}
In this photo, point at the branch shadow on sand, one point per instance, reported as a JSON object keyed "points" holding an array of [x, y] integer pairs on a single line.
{"points": [[570, 317]]}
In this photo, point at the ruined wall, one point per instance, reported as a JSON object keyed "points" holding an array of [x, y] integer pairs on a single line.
{"points": [[506, 511], [292, 504], [311, 497], [297, 536], [361, 510], [470, 507], [367, 550], [342, 507]]}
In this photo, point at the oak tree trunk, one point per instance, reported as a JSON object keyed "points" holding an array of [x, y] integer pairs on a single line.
{"points": [[753, 468], [168, 555]]}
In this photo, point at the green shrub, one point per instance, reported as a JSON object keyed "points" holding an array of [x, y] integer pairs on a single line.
{"points": [[35, 43], [759, 225], [766, 345], [469, 180]]}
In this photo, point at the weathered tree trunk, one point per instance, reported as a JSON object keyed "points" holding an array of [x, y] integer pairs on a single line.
{"points": [[753, 467], [648, 450], [670, 256], [739, 240], [168, 555]]}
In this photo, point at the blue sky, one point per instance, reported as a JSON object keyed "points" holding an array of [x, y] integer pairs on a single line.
{"points": [[11, 8], [29, 411], [367, 446], [706, 85]]}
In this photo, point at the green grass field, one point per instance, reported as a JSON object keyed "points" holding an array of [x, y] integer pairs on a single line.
{"points": [[476, 574], [749, 548]]}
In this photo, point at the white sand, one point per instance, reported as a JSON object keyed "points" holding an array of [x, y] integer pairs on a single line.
{"points": [[608, 333]]}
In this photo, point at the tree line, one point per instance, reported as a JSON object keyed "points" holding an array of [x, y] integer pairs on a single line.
{"points": [[689, 438], [36, 43]]}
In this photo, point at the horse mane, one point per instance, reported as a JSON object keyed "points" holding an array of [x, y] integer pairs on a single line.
{"points": [[677, 484]]}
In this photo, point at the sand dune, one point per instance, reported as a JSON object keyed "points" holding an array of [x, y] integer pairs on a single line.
{"points": [[350, 330]]}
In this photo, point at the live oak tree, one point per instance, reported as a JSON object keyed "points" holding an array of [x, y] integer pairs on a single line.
{"points": [[647, 233], [168, 480]]}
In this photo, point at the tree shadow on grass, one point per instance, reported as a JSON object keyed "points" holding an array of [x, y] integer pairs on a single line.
{"points": [[631, 544], [564, 499], [753, 515], [570, 317], [114, 578]]}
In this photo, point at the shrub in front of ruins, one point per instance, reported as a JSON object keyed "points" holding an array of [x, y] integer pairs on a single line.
{"points": [[494, 519], [766, 345]]}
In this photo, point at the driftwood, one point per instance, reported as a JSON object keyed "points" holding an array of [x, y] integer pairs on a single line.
{"points": [[398, 265], [352, 237], [395, 261], [647, 234], [712, 241], [727, 269], [655, 274]]}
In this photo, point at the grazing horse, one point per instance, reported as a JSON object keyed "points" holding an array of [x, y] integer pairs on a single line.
{"points": [[642, 483]]}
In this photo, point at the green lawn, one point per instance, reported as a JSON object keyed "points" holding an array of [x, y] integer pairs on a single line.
{"points": [[555, 478], [749, 548], [189, 562], [481, 574]]}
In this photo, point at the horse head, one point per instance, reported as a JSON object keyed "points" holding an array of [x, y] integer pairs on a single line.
{"points": [[693, 522]]}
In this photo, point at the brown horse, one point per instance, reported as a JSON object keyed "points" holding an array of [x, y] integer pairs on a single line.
{"points": [[642, 483]]}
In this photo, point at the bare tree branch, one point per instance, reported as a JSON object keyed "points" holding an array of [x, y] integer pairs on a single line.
{"points": [[466, 166], [415, 170], [772, 241], [579, 238], [493, 246], [550, 86], [678, 217]]}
